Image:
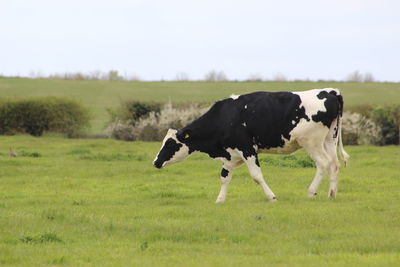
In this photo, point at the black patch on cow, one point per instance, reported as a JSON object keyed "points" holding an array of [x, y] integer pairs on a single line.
{"points": [[224, 173], [332, 106], [341, 103], [271, 116], [257, 162], [167, 152]]}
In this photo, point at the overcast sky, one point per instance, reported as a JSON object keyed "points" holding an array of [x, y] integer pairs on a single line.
{"points": [[157, 39]]}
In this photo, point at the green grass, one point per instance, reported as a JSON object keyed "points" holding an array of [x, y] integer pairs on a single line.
{"points": [[100, 202], [99, 95]]}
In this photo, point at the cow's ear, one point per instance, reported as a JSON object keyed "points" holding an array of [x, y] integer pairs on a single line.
{"points": [[184, 135]]}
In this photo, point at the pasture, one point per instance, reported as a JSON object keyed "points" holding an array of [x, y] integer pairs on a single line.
{"points": [[100, 95], [100, 202]]}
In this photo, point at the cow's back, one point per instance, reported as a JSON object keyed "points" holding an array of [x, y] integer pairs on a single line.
{"points": [[275, 119]]}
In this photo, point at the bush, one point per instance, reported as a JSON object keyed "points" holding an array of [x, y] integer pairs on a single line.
{"points": [[359, 130], [132, 110], [37, 115], [152, 126], [121, 131], [386, 118]]}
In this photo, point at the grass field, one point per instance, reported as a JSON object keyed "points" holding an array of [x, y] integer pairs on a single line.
{"points": [[99, 95], [100, 202]]}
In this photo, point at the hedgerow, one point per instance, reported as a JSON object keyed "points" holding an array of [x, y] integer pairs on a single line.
{"points": [[134, 120], [38, 115]]}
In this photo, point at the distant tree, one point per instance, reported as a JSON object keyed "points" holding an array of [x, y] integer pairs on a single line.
{"points": [[56, 76], [368, 77], [78, 76], [182, 76], [32, 74], [215, 76], [255, 77], [95, 75], [135, 78], [211, 76], [279, 77], [114, 76], [36, 75], [355, 76]]}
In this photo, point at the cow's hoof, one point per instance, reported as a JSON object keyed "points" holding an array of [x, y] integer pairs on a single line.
{"points": [[273, 199], [220, 201], [312, 194], [332, 194]]}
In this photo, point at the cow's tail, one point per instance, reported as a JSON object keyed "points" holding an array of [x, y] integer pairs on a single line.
{"points": [[342, 154]]}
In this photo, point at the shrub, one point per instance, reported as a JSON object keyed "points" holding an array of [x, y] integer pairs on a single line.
{"points": [[37, 115], [152, 126], [121, 131], [132, 110], [386, 118], [359, 130], [215, 76]]}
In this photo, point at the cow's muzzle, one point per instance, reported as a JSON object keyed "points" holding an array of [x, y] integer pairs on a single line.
{"points": [[158, 165]]}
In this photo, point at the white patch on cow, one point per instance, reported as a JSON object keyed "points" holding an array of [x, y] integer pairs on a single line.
{"points": [[293, 122], [235, 155], [170, 134], [234, 97], [244, 124], [245, 106], [311, 103], [179, 155]]}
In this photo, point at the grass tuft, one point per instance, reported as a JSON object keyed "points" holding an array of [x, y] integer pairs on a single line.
{"points": [[30, 154], [144, 246], [41, 238]]}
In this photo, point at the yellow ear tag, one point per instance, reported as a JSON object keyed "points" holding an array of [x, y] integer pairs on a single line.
{"points": [[186, 136]]}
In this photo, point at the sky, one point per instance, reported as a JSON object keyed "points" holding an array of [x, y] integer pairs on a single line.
{"points": [[156, 40]]}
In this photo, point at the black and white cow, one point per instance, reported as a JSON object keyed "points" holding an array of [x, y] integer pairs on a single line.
{"points": [[236, 129]]}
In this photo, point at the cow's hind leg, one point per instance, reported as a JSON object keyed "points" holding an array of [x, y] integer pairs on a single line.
{"points": [[255, 172], [317, 153], [319, 174], [330, 146], [324, 155]]}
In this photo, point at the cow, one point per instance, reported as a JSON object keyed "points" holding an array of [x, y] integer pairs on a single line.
{"points": [[236, 129]]}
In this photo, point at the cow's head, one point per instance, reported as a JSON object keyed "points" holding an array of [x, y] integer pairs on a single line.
{"points": [[173, 148]]}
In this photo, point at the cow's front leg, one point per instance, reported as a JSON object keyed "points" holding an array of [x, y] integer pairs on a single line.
{"points": [[255, 172], [226, 177]]}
